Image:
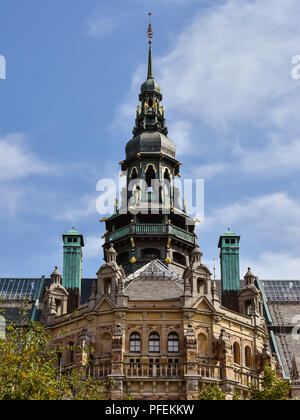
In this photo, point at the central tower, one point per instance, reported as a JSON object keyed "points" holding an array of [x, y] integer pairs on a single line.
{"points": [[150, 223]]}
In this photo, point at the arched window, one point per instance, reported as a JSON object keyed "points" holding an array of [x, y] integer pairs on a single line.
{"points": [[236, 354], [151, 253], [71, 351], [179, 258], [105, 344], [154, 343], [202, 345], [58, 306], [107, 286], [135, 343], [167, 175], [248, 358], [150, 174], [248, 307], [200, 286], [173, 343], [134, 173]]}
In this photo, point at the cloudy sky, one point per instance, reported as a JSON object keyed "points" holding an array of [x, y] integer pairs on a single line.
{"points": [[67, 109]]}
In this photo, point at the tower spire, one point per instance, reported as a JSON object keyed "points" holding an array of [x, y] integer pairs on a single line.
{"points": [[150, 36]]}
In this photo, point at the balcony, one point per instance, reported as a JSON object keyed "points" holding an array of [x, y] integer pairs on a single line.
{"points": [[142, 229], [172, 368], [155, 369]]}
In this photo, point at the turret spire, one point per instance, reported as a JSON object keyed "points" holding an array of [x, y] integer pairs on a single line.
{"points": [[150, 36]]}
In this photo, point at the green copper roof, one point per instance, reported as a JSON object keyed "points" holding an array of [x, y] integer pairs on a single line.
{"points": [[72, 231], [229, 233]]}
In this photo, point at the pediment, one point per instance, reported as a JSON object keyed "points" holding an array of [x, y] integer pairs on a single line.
{"points": [[203, 304], [105, 304]]}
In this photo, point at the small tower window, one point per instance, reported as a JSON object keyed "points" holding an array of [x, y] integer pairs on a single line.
{"points": [[201, 286], [179, 258], [107, 286], [135, 343], [150, 174], [154, 343], [248, 305], [58, 307], [134, 173]]}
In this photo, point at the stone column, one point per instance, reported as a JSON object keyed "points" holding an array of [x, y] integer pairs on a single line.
{"points": [[191, 370], [117, 375]]}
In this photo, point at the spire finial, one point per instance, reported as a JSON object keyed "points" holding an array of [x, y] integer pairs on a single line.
{"points": [[150, 31]]}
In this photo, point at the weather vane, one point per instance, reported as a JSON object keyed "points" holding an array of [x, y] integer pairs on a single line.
{"points": [[150, 31]]}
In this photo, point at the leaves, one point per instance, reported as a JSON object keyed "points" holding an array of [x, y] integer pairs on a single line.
{"points": [[212, 393], [28, 369], [272, 388]]}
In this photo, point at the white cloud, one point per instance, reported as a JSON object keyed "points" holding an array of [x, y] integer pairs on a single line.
{"points": [[93, 247], [12, 199], [277, 158], [16, 161], [210, 170], [232, 64], [99, 25], [274, 266], [181, 131], [271, 216], [76, 209]]}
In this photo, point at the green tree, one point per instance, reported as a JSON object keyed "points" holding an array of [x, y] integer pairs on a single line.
{"points": [[28, 369], [212, 392], [272, 388]]}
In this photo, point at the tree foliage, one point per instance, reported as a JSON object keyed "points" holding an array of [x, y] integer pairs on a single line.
{"points": [[29, 371], [212, 392], [272, 388]]}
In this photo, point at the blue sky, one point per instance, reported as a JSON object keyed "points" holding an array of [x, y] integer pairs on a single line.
{"points": [[67, 109]]}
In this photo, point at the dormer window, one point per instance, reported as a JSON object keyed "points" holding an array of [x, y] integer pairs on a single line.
{"points": [[107, 286], [58, 307], [248, 305]]}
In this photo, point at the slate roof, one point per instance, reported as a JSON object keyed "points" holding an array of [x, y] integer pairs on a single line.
{"points": [[153, 270], [154, 281], [282, 298]]}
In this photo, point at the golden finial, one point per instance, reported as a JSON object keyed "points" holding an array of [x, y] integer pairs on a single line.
{"points": [[214, 268], [149, 30]]}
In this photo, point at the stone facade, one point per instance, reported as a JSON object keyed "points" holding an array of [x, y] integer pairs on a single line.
{"points": [[158, 338]]}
